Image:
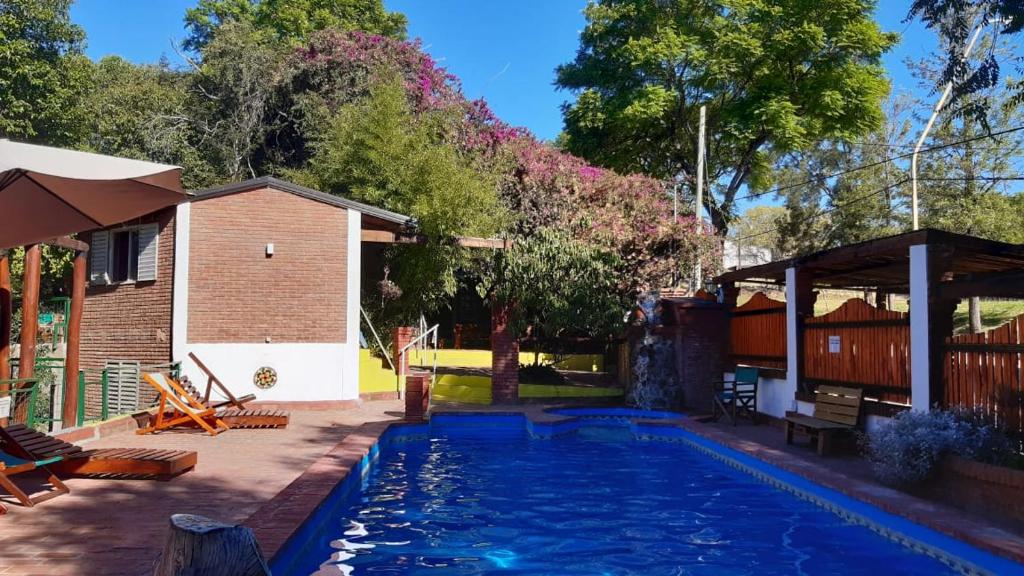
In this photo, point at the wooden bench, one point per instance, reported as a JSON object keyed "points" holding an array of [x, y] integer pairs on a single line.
{"points": [[836, 409]]}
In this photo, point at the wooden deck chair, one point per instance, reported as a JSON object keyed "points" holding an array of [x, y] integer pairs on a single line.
{"points": [[12, 464], [232, 409], [737, 397], [177, 407], [134, 463]]}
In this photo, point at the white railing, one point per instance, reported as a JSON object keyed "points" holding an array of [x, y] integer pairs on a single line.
{"points": [[431, 334]]}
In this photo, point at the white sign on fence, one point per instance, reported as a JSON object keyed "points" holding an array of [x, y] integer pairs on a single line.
{"points": [[833, 344], [5, 407]]}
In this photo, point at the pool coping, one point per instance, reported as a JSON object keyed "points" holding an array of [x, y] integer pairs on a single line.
{"points": [[281, 517]]}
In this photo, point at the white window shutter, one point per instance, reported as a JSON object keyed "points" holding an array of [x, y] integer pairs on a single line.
{"points": [[99, 251], [148, 236]]}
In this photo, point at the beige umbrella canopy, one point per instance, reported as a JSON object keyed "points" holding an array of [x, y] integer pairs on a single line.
{"points": [[49, 192]]}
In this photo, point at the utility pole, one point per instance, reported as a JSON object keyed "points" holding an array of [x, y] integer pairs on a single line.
{"points": [[698, 279], [931, 121]]}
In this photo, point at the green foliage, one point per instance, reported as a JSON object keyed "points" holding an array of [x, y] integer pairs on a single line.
{"points": [[291, 20], [379, 152], [776, 76], [144, 112], [233, 90], [558, 285], [44, 77]]}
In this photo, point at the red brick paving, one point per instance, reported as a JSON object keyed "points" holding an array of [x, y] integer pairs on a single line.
{"points": [[118, 527]]}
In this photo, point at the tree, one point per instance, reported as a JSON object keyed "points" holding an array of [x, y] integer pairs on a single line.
{"points": [[558, 285], [760, 227], [292, 21], [379, 152], [776, 76], [233, 90], [144, 112], [954, 21], [44, 76]]}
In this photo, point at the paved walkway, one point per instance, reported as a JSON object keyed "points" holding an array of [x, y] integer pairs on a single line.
{"points": [[118, 526]]}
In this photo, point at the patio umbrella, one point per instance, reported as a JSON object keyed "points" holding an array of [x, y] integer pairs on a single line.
{"points": [[49, 192]]}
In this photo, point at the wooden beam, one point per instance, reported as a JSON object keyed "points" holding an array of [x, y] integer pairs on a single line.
{"points": [[387, 237], [67, 242], [69, 413], [492, 243], [1009, 284], [29, 311]]}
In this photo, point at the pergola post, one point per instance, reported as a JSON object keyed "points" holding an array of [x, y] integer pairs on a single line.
{"points": [[5, 317], [5, 323], [69, 414], [29, 311], [800, 298], [931, 321]]}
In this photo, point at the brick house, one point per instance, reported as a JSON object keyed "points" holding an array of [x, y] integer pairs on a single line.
{"points": [[261, 273]]}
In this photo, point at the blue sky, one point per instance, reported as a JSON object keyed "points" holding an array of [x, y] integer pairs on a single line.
{"points": [[505, 51]]}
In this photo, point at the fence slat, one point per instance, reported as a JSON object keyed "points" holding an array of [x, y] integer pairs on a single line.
{"points": [[757, 332], [874, 348]]}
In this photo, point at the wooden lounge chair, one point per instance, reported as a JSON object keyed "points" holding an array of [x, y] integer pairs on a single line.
{"points": [[737, 397], [232, 410], [836, 410], [176, 407], [18, 463], [102, 462]]}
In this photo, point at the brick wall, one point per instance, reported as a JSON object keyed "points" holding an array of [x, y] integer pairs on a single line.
{"points": [[132, 321], [504, 357], [238, 294]]}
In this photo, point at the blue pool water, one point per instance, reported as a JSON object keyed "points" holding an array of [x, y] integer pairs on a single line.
{"points": [[595, 501]]}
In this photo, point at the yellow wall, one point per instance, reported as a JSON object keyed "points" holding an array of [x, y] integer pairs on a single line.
{"points": [[472, 389], [482, 359], [373, 376]]}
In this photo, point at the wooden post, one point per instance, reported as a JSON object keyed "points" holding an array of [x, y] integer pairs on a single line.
{"points": [[69, 413], [198, 545], [29, 311], [5, 323]]}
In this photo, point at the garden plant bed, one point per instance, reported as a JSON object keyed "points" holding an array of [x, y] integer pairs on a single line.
{"points": [[985, 489]]}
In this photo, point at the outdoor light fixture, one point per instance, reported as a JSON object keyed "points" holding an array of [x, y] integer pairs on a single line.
{"points": [[710, 286], [270, 249]]}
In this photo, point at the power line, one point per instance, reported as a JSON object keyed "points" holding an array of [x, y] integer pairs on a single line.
{"points": [[824, 211], [877, 163]]}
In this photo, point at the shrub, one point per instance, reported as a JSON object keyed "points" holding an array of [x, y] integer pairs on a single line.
{"points": [[906, 451], [540, 374]]}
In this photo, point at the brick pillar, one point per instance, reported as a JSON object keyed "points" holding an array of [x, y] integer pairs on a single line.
{"points": [[400, 337], [417, 395], [504, 356]]}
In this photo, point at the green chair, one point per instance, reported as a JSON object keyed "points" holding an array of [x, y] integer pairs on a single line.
{"points": [[736, 398]]}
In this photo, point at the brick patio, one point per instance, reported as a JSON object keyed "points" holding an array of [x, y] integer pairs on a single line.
{"points": [[118, 527]]}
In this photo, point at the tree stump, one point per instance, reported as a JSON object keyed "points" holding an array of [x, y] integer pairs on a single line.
{"points": [[198, 546]]}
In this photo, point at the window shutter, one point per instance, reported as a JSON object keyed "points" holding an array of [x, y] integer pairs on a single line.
{"points": [[99, 251], [148, 236]]}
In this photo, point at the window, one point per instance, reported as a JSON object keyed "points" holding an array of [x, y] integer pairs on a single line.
{"points": [[124, 255]]}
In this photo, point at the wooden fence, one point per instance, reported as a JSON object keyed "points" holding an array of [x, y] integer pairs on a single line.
{"points": [[862, 346], [984, 371], [757, 333]]}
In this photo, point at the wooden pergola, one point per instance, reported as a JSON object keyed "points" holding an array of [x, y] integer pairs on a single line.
{"points": [[30, 317], [932, 267]]}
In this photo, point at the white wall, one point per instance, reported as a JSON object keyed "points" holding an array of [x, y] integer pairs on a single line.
{"points": [[305, 372], [773, 395], [920, 368]]}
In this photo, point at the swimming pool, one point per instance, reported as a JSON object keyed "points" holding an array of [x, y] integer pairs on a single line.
{"points": [[497, 494]]}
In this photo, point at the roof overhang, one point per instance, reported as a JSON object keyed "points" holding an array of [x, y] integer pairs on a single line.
{"points": [[883, 263]]}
